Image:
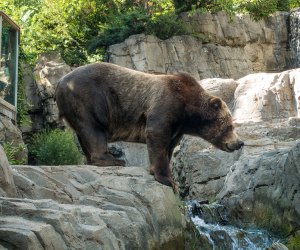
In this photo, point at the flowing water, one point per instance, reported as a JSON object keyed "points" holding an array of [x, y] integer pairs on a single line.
{"points": [[294, 37], [217, 234]]}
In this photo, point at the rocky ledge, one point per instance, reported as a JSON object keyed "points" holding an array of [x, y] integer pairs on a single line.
{"points": [[87, 207]]}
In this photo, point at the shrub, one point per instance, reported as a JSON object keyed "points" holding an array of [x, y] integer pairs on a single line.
{"points": [[55, 147], [257, 8], [14, 153], [138, 21], [294, 241], [120, 27], [166, 25]]}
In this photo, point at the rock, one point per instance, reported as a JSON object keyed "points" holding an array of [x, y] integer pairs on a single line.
{"points": [[264, 189], [179, 54], [39, 91], [35, 109], [277, 246], [223, 88], [10, 133], [230, 48], [7, 186], [259, 183], [277, 96], [88, 207], [134, 154]]}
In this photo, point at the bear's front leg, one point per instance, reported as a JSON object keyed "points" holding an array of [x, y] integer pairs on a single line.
{"points": [[158, 141]]}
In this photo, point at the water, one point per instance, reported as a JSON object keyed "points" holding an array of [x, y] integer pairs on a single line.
{"points": [[218, 234], [294, 38]]}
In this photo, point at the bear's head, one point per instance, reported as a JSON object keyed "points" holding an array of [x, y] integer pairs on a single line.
{"points": [[207, 116], [218, 128], [212, 121]]}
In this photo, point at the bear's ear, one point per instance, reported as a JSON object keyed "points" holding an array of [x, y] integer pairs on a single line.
{"points": [[215, 103]]}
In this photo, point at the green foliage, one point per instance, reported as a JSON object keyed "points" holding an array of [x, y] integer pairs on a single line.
{"points": [[166, 26], [256, 8], [294, 241], [138, 21], [81, 30], [13, 153], [265, 217], [294, 4], [119, 28], [55, 147]]}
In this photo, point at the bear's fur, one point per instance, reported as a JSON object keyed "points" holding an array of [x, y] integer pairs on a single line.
{"points": [[104, 102]]}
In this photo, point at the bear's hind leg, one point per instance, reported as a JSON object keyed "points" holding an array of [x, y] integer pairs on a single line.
{"points": [[85, 151], [94, 145]]}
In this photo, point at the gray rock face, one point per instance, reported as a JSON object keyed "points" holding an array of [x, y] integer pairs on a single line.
{"points": [[229, 48], [261, 182], [87, 207], [266, 97], [7, 186], [10, 133], [134, 154], [40, 86]]}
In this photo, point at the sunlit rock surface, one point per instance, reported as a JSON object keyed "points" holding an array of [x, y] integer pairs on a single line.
{"points": [[87, 207]]}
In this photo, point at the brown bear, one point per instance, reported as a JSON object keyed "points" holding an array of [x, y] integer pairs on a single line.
{"points": [[104, 102]]}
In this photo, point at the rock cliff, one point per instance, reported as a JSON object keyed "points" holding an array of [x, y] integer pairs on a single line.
{"points": [[220, 47], [87, 207]]}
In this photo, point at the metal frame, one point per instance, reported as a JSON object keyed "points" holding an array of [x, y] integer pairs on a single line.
{"points": [[0, 32], [6, 108]]}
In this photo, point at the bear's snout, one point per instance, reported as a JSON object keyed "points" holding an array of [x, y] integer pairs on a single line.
{"points": [[240, 144], [235, 145]]}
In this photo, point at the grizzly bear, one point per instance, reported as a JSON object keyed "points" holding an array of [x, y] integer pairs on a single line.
{"points": [[104, 102]]}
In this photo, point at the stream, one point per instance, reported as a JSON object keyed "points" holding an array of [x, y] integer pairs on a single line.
{"points": [[216, 233]]}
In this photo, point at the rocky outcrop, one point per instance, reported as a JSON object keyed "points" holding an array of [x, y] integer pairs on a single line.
{"points": [[40, 86], [221, 47], [7, 186], [87, 207], [259, 183], [267, 97], [12, 136]]}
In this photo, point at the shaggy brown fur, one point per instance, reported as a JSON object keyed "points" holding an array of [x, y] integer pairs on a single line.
{"points": [[104, 102]]}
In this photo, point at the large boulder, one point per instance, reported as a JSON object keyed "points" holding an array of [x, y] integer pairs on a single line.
{"points": [[88, 207], [259, 183], [7, 186]]}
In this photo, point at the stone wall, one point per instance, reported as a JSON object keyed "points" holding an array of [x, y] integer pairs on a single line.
{"points": [[220, 47]]}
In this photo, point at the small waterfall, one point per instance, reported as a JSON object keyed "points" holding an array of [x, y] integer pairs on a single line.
{"points": [[216, 233], [294, 38]]}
